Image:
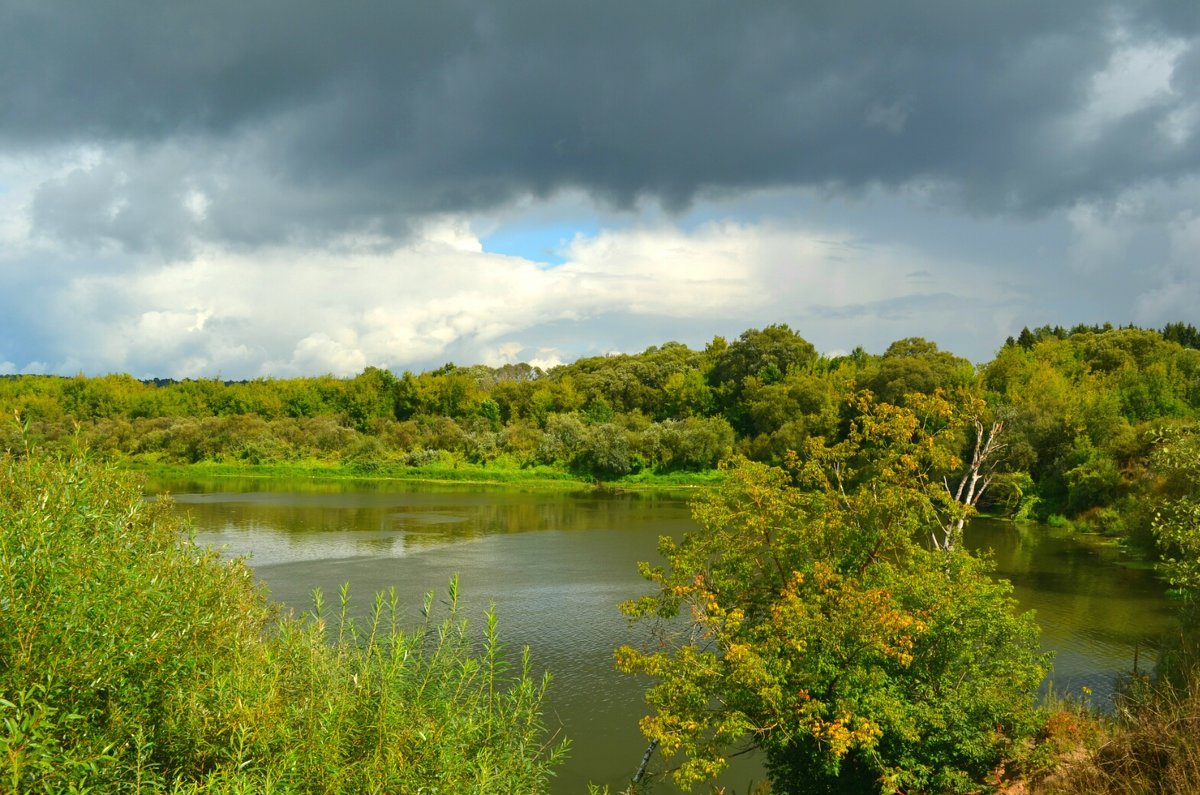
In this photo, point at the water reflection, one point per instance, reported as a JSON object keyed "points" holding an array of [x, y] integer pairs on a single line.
{"points": [[1099, 610]]}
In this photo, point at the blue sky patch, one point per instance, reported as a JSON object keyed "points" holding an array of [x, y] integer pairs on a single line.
{"points": [[546, 243]]}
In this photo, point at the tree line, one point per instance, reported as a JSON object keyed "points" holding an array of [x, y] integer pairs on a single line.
{"points": [[1078, 406]]}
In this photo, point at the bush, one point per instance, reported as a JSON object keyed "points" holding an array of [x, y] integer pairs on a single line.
{"points": [[605, 452], [131, 660]]}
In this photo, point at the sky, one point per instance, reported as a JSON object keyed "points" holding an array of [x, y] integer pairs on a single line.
{"points": [[257, 188]]}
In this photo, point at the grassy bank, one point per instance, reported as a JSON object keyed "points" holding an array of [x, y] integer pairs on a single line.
{"points": [[460, 472], [1151, 744]]}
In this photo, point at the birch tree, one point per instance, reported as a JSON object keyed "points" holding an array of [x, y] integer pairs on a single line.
{"points": [[808, 618]]}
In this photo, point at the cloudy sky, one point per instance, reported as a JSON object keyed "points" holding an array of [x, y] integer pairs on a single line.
{"points": [[250, 188]]}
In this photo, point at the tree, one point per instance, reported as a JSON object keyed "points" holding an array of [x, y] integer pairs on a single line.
{"points": [[913, 365], [1177, 522], [979, 474], [1183, 333], [1026, 340], [817, 626], [685, 394], [1176, 527], [771, 352], [604, 452], [695, 443]]}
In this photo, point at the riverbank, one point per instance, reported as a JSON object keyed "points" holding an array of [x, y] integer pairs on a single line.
{"points": [[539, 477]]}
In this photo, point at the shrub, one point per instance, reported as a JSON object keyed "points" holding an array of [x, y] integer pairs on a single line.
{"points": [[1153, 745]]}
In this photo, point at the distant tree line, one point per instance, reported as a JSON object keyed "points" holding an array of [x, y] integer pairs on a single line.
{"points": [[1183, 333], [1079, 409]]}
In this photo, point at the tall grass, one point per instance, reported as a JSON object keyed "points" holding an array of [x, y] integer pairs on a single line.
{"points": [[133, 661], [1152, 745]]}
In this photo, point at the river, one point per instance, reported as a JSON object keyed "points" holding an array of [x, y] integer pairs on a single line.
{"points": [[555, 564]]}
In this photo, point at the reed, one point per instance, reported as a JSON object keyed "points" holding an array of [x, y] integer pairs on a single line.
{"points": [[133, 661]]}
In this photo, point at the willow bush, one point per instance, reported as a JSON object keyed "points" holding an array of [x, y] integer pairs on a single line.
{"points": [[132, 660]]}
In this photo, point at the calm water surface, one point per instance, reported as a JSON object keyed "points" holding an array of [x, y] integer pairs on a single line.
{"points": [[556, 564]]}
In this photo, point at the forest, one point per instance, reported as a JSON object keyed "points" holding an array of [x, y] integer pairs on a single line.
{"points": [[1079, 411], [843, 628]]}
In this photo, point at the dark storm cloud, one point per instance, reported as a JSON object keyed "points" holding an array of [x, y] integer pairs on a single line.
{"points": [[304, 120]]}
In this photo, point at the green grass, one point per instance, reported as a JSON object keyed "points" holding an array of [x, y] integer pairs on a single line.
{"points": [[133, 661], [535, 477]]}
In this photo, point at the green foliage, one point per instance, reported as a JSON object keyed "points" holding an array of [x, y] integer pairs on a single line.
{"points": [[1093, 482], [1077, 405], [774, 350], [563, 439], [685, 394], [1177, 521], [808, 619], [757, 357], [597, 412], [1151, 743], [131, 660], [368, 396], [661, 382], [490, 411], [1184, 334], [915, 365], [692, 444], [604, 452]]}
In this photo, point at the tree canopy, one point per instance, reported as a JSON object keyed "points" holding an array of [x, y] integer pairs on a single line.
{"points": [[808, 618]]}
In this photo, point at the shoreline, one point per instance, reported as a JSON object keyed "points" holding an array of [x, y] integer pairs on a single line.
{"points": [[465, 474]]}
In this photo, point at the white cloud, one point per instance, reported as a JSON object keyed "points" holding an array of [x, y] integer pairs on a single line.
{"points": [[1136, 77], [292, 310], [286, 312], [319, 353], [196, 203], [508, 352], [547, 358], [666, 271], [451, 232]]}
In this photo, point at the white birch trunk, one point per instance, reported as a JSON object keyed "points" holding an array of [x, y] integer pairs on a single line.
{"points": [[975, 480]]}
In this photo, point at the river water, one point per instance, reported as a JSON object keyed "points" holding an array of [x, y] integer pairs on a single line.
{"points": [[555, 564]]}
